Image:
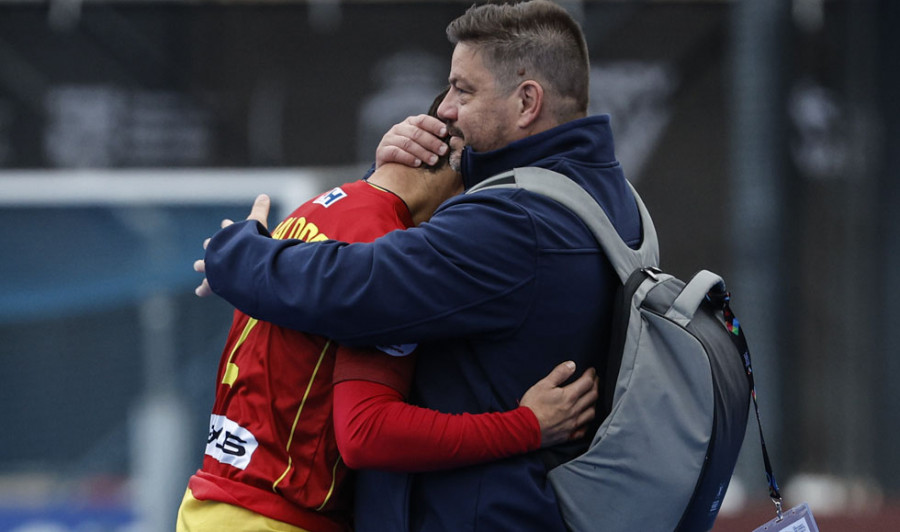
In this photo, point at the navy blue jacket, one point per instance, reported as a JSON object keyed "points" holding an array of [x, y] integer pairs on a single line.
{"points": [[497, 288]]}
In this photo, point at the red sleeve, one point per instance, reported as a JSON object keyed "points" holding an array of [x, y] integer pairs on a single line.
{"points": [[375, 429], [368, 364]]}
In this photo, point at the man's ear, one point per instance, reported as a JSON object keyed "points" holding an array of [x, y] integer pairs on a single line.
{"points": [[530, 96]]}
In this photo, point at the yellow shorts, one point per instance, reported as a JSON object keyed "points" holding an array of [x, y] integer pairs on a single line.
{"points": [[213, 516]]}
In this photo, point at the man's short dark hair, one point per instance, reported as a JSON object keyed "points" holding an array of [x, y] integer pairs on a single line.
{"points": [[536, 40]]}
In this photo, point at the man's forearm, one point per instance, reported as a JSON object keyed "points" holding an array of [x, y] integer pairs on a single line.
{"points": [[406, 287], [248, 269]]}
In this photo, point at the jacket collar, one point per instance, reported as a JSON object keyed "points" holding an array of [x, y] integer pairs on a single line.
{"points": [[586, 140]]}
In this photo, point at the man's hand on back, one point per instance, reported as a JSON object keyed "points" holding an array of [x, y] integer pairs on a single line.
{"points": [[259, 212]]}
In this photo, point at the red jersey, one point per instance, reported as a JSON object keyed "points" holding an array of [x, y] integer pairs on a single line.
{"points": [[271, 445]]}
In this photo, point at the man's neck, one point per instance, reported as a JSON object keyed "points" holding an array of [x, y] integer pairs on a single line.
{"points": [[421, 190]]}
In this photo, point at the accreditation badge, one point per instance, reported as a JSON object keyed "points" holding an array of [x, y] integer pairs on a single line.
{"points": [[797, 519]]}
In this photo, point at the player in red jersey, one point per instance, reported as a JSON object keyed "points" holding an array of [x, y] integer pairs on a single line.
{"points": [[273, 459]]}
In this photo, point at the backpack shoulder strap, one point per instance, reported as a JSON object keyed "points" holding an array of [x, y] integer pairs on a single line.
{"points": [[569, 193]]}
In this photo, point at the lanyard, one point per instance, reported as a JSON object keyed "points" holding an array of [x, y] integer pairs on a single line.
{"points": [[737, 336]]}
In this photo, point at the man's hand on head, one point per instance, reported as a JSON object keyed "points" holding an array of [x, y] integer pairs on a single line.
{"points": [[259, 212], [416, 140]]}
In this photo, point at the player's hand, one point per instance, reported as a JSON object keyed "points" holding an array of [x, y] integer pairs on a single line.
{"points": [[416, 139], [563, 411], [259, 212]]}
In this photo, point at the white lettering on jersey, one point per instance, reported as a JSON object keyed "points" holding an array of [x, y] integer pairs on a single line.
{"points": [[330, 198], [229, 442], [397, 350]]}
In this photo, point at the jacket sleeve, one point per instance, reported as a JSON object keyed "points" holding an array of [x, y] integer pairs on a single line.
{"points": [[468, 271]]}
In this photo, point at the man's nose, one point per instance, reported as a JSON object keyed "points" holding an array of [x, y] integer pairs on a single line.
{"points": [[446, 110]]}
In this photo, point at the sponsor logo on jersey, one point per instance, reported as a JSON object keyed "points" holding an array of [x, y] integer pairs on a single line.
{"points": [[397, 350], [330, 198], [229, 442]]}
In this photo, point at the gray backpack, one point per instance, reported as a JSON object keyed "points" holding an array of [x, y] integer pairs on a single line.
{"points": [[677, 388]]}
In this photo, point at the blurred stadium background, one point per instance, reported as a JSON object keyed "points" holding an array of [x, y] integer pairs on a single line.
{"points": [[763, 135]]}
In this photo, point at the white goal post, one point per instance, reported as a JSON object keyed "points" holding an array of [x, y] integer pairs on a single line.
{"points": [[288, 187]]}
